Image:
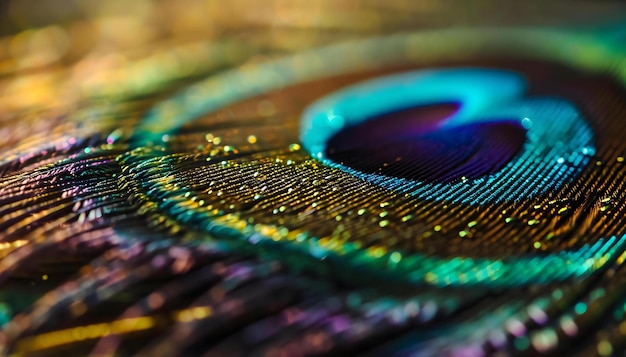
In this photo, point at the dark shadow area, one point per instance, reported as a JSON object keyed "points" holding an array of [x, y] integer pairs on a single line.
{"points": [[413, 144]]}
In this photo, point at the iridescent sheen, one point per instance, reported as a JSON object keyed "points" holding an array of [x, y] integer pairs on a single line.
{"points": [[161, 221], [559, 143]]}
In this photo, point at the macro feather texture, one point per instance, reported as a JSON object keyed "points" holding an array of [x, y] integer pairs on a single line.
{"points": [[291, 179]]}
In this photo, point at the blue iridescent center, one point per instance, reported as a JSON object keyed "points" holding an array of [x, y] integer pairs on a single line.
{"points": [[445, 134]]}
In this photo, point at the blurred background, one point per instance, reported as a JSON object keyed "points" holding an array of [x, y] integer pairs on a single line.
{"points": [[75, 26], [88, 39], [158, 17]]}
